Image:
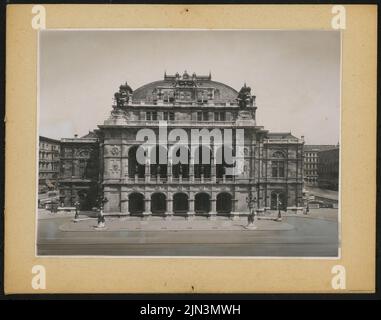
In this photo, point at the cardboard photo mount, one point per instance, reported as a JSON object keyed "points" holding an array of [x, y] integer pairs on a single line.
{"points": [[353, 272]]}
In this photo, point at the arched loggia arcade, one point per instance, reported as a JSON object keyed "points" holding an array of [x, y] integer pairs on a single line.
{"points": [[158, 203], [136, 203], [202, 203], [180, 203], [224, 203]]}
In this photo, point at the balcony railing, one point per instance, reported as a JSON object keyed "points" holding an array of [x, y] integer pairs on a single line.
{"points": [[282, 141], [188, 103], [179, 123]]}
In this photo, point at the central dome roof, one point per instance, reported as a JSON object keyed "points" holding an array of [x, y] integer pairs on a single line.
{"points": [[186, 81]]}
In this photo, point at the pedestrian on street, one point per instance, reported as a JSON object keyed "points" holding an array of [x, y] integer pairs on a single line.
{"points": [[101, 218], [76, 204], [279, 206], [249, 219]]}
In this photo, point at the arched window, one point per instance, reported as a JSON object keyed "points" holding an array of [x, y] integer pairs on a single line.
{"points": [[278, 154], [158, 161], [180, 162], [224, 159], [278, 165], [134, 167], [202, 160]]}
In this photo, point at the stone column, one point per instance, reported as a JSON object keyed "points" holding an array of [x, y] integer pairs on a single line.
{"points": [[169, 171], [147, 170], [213, 170], [213, 167], [147, 207], [169, 212], [125, 169], [124, 203], [234, 214], [191, 169], [191, 211], [213, 209]]}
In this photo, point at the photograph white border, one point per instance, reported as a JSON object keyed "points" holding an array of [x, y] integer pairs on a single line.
{"points": [[339, 222]]}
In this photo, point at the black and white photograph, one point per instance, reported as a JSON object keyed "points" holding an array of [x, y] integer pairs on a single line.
{"points": [[189, 143]]}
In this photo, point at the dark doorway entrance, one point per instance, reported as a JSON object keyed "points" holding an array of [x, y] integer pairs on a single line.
{"points": [[180, 203], [224, 203], [278, 196], [83, 200], [202, 203], [158, 203], [135, 203]]}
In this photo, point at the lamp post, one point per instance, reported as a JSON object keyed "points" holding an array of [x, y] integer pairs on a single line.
{"points": [[279, 218], [304, 202]]}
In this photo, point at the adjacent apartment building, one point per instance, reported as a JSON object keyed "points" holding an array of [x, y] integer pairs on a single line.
{"points": [[48, 164], [311, 162], [328, 169]]}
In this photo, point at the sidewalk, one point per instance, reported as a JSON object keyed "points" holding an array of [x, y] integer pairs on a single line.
{"points": [[322, 214], [46, 214], [175, 224], [328, 214]]}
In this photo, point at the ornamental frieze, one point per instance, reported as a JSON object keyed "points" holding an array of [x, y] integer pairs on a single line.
{"points": [[82, 153]]}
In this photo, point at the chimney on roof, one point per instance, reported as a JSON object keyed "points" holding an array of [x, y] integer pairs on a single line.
{"points": [[76, 136]]}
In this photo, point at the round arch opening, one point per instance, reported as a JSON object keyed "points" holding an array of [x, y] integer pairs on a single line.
{"points": [[158, 203], [136, 203], [202, 203], [180, 203], [224, 203]]}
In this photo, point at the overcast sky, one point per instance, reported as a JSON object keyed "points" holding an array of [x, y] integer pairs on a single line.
{"points": [[294, 74]]}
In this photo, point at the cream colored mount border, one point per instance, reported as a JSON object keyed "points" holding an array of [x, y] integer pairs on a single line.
{"points": [[358, 154]]}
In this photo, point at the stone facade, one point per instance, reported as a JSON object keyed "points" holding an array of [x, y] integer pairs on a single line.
{"points": [[79, 171], [273, 162], [48, 163]]}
